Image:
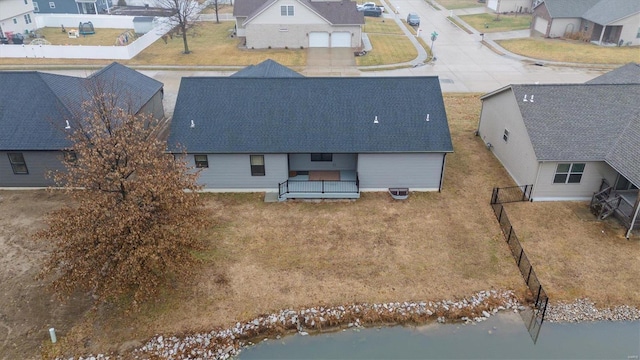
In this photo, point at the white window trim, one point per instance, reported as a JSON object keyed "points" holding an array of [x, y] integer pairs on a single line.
{"points": [[289, 10], [569, 173]]}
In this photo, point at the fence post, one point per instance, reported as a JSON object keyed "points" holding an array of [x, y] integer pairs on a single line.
{"points": [[493, 196], [538, 296], [520, 258], [528, 276], [545, 310], [509, 237], [524, 193], [500, 216]]}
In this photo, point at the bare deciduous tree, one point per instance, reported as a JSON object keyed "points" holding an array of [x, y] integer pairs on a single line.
{"points": [[185, 15], [131, 225]]}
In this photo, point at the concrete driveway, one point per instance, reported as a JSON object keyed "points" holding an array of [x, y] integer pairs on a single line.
{"points": [[330, 62]]}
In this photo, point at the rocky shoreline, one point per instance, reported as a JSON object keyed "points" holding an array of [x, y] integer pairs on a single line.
{"points": [[226, 343]]}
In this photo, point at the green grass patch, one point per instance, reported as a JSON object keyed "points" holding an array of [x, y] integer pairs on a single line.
{"points": [[496, 23], [388, 49], [458, 24], [458, 4], [571, 51]]}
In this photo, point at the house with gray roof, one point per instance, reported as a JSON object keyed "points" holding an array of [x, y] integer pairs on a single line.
{"points": [[298, 23], [569, 141], [313, 137], [598, 21], [38, 109], [626, 74], [267, 69]]}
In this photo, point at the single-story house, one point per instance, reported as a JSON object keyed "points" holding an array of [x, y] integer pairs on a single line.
{"points": [[510, 6], [298, 23], [312, 137], [38, 109], [568, 141], [598, 21]]}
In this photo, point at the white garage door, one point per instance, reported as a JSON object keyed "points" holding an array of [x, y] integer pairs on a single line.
{"points": [[541, 25], [318, 39], [341, 39], [493, 5]]}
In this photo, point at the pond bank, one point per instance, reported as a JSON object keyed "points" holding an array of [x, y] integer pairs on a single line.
{"points": [[225, 343]]}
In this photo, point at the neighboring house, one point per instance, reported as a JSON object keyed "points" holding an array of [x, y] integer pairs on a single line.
{"points": [[35, 109], [598, 21], [298, 23], [16, 16], [313, 137], [72, 6], [267, 69], [569, 141], [626, 74], [508, 6]]}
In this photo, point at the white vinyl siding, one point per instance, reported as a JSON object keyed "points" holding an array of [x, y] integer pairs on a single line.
{"points": [[545, 189], [416, 171]]}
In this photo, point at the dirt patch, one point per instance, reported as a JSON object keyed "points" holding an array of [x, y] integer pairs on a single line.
{"points": [[27, 308]]}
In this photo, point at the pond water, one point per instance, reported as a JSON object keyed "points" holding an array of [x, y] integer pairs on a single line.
{"points": [[500, 337]]}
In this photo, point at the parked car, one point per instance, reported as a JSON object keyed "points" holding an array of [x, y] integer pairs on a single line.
{"points": [[413, 19], [368, 5], [373, 11]]}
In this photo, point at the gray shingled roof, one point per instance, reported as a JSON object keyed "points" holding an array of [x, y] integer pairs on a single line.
{"points": [[302, 115], [583, 122], [568, 8], [335, 12], [266, 69], [626, 74], [601, 12], [606, 12], [53, 99]]}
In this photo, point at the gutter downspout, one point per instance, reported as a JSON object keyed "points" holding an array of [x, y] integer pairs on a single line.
{"points": [[635, 217], [444, 157], [535, 184]]}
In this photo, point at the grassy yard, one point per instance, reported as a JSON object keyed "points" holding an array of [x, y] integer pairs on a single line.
{"points": [[262, 257], [390, 45], [458, 4], [575, 256], [102, 37], [491, 23], [211, 45], [571, 51], [222, 9]]}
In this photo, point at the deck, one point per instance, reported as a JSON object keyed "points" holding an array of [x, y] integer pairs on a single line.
{"points": [[321, 185], [619, 203]]}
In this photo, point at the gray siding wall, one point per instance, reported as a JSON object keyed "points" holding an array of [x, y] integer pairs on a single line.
{"points": [[232, 172], [154, 106], [500, 112], [416, 171], [594, 172], [38, 164], [301, 162]]}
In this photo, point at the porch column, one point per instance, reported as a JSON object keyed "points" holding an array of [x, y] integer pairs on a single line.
{"points": [[602, 34], [635, 216]]}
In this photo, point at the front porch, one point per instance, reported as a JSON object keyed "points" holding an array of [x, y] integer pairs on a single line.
{"points": [[320, 184], [619, 203]]}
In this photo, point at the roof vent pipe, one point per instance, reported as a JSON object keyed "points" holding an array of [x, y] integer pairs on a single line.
{"points": [[192, 124], [375, 121]]}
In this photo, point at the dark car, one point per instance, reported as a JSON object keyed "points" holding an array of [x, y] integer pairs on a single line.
{"points": [[413, 19], [373, 12]]}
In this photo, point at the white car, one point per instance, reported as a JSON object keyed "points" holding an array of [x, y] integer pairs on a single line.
{"points": [[369, 5]]}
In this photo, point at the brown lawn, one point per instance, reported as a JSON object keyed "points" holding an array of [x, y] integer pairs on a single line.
{"points": [[263, 257]]}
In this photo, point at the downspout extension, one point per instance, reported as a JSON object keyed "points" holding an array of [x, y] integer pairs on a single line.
{"points": [[442, 172]]}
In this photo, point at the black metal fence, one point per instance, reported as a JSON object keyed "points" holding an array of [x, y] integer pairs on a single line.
{"points": [[535, 318], [511, 194]]}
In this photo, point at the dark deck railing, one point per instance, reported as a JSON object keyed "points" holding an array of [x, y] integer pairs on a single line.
{"points": [[319, 186]]}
